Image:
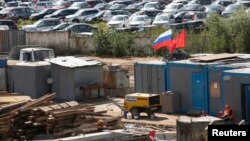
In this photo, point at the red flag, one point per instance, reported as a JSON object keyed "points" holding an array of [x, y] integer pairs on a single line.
{"points": [[178, 42]]}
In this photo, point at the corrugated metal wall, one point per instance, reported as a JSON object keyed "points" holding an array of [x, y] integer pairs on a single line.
{"points": [[180, 78], [10, 38], [150, 78], [231, 91], [63, 82], [67, 81]]}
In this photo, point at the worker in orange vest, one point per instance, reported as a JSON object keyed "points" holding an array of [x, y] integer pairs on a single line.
{"points": [[228, 114]]}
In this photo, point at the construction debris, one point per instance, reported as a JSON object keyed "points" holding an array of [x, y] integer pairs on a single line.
{"points": [[57, 120]]}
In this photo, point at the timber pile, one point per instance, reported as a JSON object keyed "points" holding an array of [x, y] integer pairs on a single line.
{"points": [[59, 120]]}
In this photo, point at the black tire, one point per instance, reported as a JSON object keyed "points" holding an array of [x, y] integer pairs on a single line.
{"points": [[76, 21], [135, 112]]}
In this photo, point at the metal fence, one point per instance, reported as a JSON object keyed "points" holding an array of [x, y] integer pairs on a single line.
{"points": [[10, 38]]}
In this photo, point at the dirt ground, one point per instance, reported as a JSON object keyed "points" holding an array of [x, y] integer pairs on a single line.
{"points": [[112, 104]]}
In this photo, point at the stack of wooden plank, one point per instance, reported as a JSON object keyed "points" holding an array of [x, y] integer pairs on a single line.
{"points": [[58, 120]]}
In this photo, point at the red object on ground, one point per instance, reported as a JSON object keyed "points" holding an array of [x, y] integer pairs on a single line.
{"points": [[152, 135], [219, 114]]}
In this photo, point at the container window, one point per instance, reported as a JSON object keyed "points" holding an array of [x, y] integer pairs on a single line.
{"points": [[215, 89], [154, 100]]}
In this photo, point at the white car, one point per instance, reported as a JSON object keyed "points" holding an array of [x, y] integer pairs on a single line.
{"points": [[79, 5], [42, 25], [43, 5], [140, 21], [118, 21], [164, 19], [172, 7]]}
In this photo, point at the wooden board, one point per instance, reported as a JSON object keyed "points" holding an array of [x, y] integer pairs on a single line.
{"points": [[13, 99], [215, 57]]}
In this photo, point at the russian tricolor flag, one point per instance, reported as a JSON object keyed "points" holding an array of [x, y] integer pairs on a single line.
{"points": [[163, 40]]}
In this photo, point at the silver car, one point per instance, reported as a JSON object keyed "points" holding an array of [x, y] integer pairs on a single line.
{"points": [[81, 15], [140, 21], [41, 25], [164, 19]]}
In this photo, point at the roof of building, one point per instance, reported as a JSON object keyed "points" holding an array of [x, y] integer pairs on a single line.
{"points": [[142, 94], [156, 62], [72, 62], [239, 71], [35, 49]]}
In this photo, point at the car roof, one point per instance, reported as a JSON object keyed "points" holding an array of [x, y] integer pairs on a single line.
{"points": [[6, 20], [87, 9], [141, 16], [154, 2], [120, 15], [48, 19]]}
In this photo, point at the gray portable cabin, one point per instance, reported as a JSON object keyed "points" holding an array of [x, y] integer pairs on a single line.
{"points": [[189, 80], [235, 91], [70, 73], [150, 77], [29, 78], [3, 64]]}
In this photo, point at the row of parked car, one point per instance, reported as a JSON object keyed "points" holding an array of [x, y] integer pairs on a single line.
{"points": [[117, 13]]}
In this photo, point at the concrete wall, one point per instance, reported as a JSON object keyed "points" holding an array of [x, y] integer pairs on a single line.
{"points": [[180, 78], [10, 38], [59, 41], [232, 90], [64, 44]]}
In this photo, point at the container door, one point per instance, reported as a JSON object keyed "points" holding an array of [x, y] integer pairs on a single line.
{"points": [[138, 78], [198, 91], [149, 80], [247, 101]]}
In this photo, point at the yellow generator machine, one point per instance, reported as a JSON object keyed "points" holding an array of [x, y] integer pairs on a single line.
{"points": [[142, 102]]}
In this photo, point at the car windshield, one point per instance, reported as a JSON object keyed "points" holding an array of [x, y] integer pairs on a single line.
{"points": [[57, 12], [212, 8], [41, 4], [59, 3], [131, 6], [172, 6], [116, 6], [117, 18], [232, 8], [100, 5], [61, 26], [6, 10], [43, 11], [162, 18], [150, 6], [192, 7], [138, 18], [76, 4], [37, 22], [79, 12], [99, 13]]}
